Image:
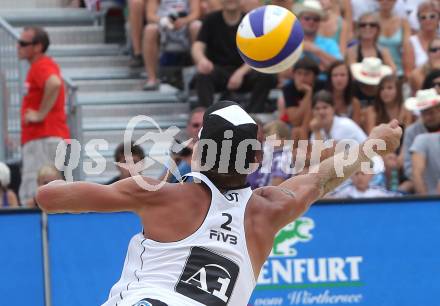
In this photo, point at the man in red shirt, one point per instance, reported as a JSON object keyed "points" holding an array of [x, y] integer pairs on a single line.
{"points": [[43, 119]]}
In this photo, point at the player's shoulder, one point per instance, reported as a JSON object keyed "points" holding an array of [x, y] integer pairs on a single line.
{"points": [[155, 190]]}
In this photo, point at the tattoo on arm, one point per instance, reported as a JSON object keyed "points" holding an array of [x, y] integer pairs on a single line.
{"points": [[287, 191]]}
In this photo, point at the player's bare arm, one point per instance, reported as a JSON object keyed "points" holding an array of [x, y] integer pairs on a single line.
{"points": [[293, 197], [76, 197], [274, 207]]}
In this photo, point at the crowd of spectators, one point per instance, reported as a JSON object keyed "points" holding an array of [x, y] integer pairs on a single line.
{"points": [[365, 62]]}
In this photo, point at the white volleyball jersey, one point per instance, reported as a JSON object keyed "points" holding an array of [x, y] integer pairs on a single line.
{"points": [[210, 267]]}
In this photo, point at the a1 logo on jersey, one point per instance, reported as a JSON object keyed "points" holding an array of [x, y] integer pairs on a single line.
{"points": [[208, 277]]}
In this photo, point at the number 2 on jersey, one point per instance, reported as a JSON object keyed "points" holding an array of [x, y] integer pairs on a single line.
{"points": [[225, 225]]}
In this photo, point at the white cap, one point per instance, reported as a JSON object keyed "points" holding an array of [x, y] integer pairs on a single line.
{"points": [[5, 175]]}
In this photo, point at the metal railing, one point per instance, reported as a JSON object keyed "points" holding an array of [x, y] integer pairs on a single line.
{"points": [[12, 77], [12, 72]]}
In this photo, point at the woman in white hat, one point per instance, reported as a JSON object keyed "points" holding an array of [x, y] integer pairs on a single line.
{"points": [[367, 31], [368, 74], [7, 196]]}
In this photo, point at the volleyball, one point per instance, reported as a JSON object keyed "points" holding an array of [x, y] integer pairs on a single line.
{"points": [[270, 39]]}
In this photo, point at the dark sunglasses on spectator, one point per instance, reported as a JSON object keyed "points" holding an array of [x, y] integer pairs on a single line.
{"points": [[368, 24], [196, 125], [428, 16], [434, 49], [23, 43], [309, 18]]}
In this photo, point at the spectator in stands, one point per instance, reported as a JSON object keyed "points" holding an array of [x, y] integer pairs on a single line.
{"points": [[209, 6], [392, 177], [297, 93], [432, 80], [427, 102], [361, 7], [333, 25], [43, 117], [413, 14], [170, 23], [7, 196], [321, 49], [220, 67], [180, 153], [394, 35], [388, 104], [429, 19], [195, 122], [46, 174], [257, 178], [360, 187], [276, 169], [249, 5], [368, 74], [426, 163], [367, 32], [419, 74], [287, 4], [274, 164], [123, 164], [136, 19], [325, 125], [340, 84]]}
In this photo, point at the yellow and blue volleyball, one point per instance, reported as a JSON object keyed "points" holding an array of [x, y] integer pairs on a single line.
{"points": [[270, 39]]}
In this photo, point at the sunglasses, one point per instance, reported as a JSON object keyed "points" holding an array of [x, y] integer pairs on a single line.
{"points": [[196, 125], [23, 43], [368, 24], [434, 49], [428, 16], [310, 18]]}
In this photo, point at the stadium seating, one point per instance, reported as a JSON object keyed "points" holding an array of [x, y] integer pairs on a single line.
{"points": [[109, 91]]}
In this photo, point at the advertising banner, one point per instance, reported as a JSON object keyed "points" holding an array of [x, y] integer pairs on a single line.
{"points": [[87, 254], [356, 254], [21, 259]]}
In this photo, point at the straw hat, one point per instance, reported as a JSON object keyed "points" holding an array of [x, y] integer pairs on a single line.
{"points": [[308, 6], [370, 71], [424, 99], [5, 175]]}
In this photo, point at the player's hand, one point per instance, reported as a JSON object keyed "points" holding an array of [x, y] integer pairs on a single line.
{"points": [[391, 133], [32, 116], [205, 66], [235, 81]]}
